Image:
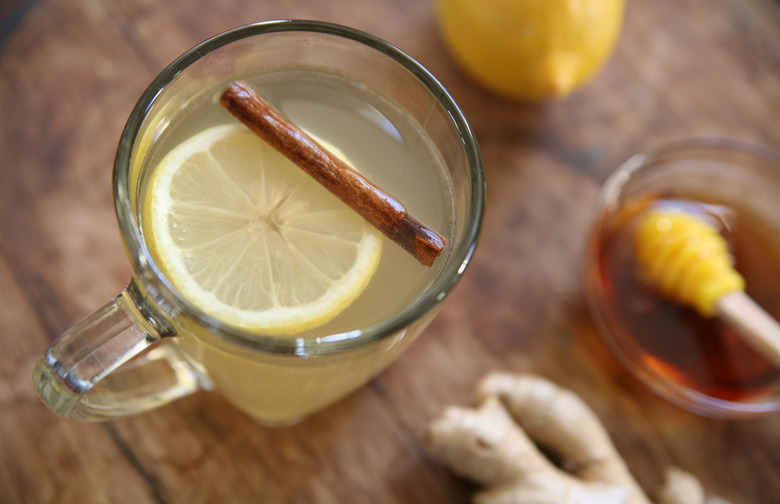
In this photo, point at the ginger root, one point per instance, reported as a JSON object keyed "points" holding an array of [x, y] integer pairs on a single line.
{"points": [[498, 445]]}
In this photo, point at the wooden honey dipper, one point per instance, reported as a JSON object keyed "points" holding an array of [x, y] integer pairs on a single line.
{"points": [[687, 259]]}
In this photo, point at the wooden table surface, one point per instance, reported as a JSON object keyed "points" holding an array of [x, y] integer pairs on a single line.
{"points": [[70, 72]]}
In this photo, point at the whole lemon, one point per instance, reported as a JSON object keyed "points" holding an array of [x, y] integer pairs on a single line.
{"points": [[531, 49]]}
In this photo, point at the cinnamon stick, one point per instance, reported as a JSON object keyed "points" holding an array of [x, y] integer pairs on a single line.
{"points": [[377, 207]]}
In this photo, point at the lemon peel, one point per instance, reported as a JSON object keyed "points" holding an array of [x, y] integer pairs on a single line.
{"points": [[531, 49]]}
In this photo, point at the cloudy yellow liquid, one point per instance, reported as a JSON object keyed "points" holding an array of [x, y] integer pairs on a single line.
{"points": [[392, 151]]}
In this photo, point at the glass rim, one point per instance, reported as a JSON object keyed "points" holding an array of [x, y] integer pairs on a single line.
{"points": [[460, 256], [627, 170]]}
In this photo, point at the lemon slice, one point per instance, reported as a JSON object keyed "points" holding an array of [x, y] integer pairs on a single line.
{"points": [[252, 240]]}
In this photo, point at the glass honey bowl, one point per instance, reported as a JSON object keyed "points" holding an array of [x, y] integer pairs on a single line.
{"points": [[698, 363]]}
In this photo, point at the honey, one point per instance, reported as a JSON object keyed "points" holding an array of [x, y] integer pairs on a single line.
{"points": [[673, 341]]}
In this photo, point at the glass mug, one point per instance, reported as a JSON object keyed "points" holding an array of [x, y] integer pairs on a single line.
{"points": [[697, 363], [150, 345]]}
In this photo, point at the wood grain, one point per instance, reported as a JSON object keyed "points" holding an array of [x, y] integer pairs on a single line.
{"points": [[71, 71]]}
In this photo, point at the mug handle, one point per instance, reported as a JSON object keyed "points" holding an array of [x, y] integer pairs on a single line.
{"points": [[116, 362]]}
